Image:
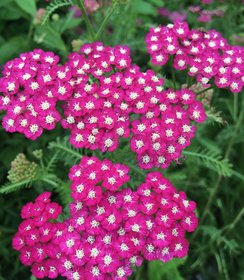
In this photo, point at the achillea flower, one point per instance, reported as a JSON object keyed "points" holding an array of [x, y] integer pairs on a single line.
{"points": [[205, 54], [99, 90], [27, 96], [105, 239], [98, 112], [159, 139]]}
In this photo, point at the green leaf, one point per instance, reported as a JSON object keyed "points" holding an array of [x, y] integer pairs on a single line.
{"points": [[51, 38], [5, 3], [29, 6], [214, 116], [13, 47], [12, 12], [68, 22], [211, 231], [53, 6], [66, 150], [158, 3], [158, 270], [144, 8], [11, 187], [211, 160]]}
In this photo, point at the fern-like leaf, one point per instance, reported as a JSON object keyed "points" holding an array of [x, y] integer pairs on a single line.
{"points": [[51, 163], [12, 187], [214, 116], [211, 160], [66, 152], [64, 192], [52, 7]]}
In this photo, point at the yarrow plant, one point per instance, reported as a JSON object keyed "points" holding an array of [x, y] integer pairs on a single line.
{"points": [[162, 133], [28, 96], [110, 230], [99, 90], [205, 55], [107, 89], [114, 219]]}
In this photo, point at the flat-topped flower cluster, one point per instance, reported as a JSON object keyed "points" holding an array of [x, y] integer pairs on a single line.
{"points": [[100, 96], [28, 96], [107, 90], [110, 230], [94, 95], [160, 135], [205, 55]]}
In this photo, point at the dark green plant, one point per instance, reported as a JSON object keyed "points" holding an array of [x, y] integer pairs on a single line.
{"points": [[211, 173]]}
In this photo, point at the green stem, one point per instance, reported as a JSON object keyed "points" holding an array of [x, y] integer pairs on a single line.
{"points": [[86, 19], [50, 182], [206, 89], [104, 23], [235, 106], [238, 123], [173, 77], [227, 153], [210, 199], [188, 81], [30, 32], [74, 153], [138, 170], [237, 219], [138, 275]]}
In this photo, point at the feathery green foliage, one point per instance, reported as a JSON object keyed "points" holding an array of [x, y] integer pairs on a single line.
{"points": [[209, 159], [53, 6], [65, 151], [12, 187], [211, 172]]}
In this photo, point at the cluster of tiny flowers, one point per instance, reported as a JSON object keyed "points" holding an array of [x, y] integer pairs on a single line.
{"points": [[205, 54], [205, 15], [22, 169], [27, 93], [37, 236], [159, 136], [98, 89], [110, 230], [106, 90]]}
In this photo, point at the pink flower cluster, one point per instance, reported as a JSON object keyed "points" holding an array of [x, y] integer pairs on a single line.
{"points": [[29, 93], [205, 54], [90, 5], [160, 135], [106, 90], [109, 230], [205, 15], [207, 2], [98, 90], [172, 15]]}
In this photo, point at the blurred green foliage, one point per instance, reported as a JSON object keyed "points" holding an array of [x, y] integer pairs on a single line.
{"points": [[211, 174]]}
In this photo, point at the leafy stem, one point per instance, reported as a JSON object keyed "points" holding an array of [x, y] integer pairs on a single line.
{"points": [[204, 90], [104, 23], [89, 26], [237, 219], [226, 156], [60, 146], [49, 181]]}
